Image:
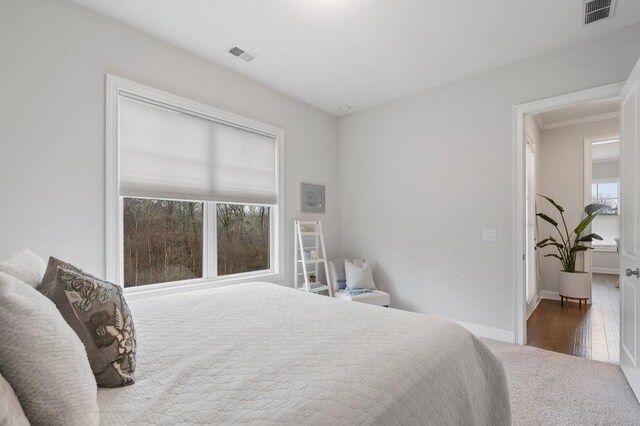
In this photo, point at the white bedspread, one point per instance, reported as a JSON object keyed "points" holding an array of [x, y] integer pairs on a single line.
{"points": [[264, 354]]}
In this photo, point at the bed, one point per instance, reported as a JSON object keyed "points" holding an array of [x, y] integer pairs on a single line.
{"points": [[261, 353]]}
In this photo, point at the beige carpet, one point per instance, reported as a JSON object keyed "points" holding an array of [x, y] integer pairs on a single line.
{"points": [[549, 388]]}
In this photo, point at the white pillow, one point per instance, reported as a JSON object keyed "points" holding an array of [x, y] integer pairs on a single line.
{"points": [[26, 266], [43, 359], [359, 276], [11, 412]]}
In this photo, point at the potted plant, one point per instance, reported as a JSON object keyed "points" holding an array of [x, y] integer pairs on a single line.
{"points": [[573, 284]]}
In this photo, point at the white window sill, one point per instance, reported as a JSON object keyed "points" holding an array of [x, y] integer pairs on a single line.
{"points": [[605, 248], [161, 289]]}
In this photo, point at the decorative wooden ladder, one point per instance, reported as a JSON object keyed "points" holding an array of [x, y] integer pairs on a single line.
{"points": [[308, 258]]}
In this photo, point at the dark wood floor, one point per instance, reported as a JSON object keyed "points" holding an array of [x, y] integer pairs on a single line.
{"points": [[591, 332]]}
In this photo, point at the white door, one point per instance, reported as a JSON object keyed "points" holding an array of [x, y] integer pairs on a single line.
{"points": [[531, 264], [630, 231]]}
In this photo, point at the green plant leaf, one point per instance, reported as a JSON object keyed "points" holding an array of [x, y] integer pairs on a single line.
{"points": [[541, 242], [590, 237], [553, 255], [556, 205], [547, 218], [560, 246], [585, 222], [576, 249], [546, 240], [595, 208]]}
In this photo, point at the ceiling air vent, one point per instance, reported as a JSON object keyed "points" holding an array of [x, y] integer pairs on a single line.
{"points": [[241, 53], [597, 10]]}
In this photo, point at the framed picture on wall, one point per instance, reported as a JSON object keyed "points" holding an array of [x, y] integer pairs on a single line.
{"points": [[311, 198]]}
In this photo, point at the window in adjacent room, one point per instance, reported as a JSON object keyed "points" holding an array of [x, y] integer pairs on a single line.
{"points": [[607, 193], [197, 191], [607, 225]]}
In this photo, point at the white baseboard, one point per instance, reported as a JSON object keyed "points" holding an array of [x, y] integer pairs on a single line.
{"points": [[612, 271], [548, 294], [534, 305], [488, 332], [633, 378]]}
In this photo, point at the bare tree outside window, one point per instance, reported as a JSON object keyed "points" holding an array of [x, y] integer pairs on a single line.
{"points": [[162, 241], [607, 193], [243, 238]]}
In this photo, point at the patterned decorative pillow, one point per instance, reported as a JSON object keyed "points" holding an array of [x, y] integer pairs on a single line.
{"points": [[50, 274], [97, 312]]}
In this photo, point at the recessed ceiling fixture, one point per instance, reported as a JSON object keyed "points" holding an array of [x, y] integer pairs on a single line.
{"points": [[241, 53], [345, 108], [597, 10]]}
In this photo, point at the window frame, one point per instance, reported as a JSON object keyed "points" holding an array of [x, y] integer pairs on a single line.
{"points": [[608, 180], [114, 205], [599, 246]]}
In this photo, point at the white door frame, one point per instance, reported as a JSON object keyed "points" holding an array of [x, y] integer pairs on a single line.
{"points": [[534, 300], [519, 181]]}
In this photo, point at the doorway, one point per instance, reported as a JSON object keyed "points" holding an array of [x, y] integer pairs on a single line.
{"points": [[629, 254], [526, 278], [587, 324]]}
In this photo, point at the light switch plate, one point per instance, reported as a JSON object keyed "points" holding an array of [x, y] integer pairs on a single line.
{"points": [[489, 235]]}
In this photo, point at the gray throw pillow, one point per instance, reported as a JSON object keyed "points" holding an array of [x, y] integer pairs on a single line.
{"points": [[43, 359], [97, 312]]}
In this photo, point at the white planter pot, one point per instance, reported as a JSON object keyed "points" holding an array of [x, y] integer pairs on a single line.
{"points": [[575, 285]]}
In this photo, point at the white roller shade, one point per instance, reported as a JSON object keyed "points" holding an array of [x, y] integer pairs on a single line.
{"points": [[169, 154]]}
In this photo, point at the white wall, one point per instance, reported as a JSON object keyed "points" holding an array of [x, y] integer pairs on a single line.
{"points": [[608, 227], [421, 177], [562, 178], [54, 56], [606, 262]]}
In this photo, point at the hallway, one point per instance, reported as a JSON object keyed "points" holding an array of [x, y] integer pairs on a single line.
{"points": [[591, 332]]}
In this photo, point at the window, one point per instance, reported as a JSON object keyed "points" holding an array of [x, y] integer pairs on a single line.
{"points": [[607, 193], [607, 225], [162, 241], [193, 192], [243, 238]]}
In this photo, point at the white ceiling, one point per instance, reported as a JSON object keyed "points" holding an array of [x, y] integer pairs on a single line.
{"points": [[330, 53], [575, 114]]}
